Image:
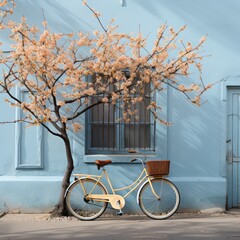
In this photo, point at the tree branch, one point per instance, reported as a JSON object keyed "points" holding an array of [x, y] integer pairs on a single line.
{"points": [[83, 111]]}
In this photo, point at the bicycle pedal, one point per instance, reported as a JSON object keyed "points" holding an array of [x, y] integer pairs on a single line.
{"points": [[119, 213]]}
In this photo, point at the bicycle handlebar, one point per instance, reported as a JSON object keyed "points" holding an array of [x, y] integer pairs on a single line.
{"points": [[137, 159]]}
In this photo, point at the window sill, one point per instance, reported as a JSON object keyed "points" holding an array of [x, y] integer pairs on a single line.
{"points": [[117, 158]]}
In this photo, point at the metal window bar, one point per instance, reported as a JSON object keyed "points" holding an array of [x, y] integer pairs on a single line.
{"points": [[133, 128], [108, 128], [145, 116], [103, 125], [98, 127]]}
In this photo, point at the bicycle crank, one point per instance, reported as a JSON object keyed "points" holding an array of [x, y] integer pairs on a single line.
{"points": [[117, 202]]}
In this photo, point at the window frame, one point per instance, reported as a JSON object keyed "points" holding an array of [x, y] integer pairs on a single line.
{"points": [[38, 161], [119, 135]]}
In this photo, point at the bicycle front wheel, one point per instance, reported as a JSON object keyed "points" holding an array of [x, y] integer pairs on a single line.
{"points": [[159, 201], [80, 205]]}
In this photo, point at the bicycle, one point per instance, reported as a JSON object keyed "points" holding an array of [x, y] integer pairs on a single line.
{"points": [[87, 198]]}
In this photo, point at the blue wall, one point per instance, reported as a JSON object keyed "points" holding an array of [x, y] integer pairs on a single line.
{"points": [[195, 143]]}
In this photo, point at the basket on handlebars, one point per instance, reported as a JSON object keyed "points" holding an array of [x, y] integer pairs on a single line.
{"points": [[158, 167]]}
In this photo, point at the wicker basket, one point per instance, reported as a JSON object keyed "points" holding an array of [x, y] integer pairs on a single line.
{"points": [[158, 167]]}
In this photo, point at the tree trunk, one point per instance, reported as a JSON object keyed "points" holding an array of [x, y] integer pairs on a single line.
{"points": [[60, 208]]}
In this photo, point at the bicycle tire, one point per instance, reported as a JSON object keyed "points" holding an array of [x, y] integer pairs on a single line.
{"points": [[164, 206], [82, 208]]}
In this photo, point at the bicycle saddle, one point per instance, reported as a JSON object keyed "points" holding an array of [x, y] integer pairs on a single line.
{"points": [[102, 163]]}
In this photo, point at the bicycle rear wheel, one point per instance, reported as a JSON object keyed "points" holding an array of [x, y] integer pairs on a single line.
{"points": [[161, 207], [79, 205]]}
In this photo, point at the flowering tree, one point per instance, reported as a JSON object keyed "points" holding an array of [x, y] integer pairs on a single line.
{"points": [[53, 68]]}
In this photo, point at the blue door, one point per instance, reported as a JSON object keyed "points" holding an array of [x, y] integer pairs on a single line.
{"points": [[233, 147]]}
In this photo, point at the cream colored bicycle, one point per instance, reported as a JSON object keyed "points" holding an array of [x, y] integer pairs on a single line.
{"points": [[87, 198]]}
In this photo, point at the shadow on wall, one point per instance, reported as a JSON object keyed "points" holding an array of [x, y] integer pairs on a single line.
{"points": [[195, 138], [216, 17], [59, 18], [197, 195]]}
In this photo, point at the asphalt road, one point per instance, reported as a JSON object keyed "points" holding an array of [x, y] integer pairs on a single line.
{"points": [[180, 226]]}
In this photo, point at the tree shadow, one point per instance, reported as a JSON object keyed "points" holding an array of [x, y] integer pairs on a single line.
{"points": [[59, 18], [218, 18]]}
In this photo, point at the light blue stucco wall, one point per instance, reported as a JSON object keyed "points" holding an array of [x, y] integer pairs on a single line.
{"points": [[195, 143]]}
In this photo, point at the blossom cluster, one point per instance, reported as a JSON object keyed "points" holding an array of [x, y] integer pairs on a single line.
{"points": [[55, 68], [5, 9]]}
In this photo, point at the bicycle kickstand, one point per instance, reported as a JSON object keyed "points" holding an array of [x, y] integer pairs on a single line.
{"points": [[119, 213]]}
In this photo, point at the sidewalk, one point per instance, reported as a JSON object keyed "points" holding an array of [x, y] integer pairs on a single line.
{"points": [[180, 226]]}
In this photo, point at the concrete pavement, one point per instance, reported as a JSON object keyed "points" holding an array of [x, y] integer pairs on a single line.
{"points": [[180, 226]]}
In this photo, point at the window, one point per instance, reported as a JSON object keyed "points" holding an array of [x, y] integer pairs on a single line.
{"points": [[27, 158], [107, 132]]}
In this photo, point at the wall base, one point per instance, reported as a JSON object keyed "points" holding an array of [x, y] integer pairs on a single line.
{"points": [[39, 194]]}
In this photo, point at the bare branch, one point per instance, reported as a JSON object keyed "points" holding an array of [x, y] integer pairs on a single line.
{"points": [[97, 16]]}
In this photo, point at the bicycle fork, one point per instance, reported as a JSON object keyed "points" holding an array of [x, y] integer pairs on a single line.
{"points": [[153, 191]]}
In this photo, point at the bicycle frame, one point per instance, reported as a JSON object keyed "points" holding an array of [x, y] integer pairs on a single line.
{"points": [[117, 201]]}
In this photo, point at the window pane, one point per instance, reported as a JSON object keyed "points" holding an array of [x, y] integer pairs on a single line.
{"points": [[102, 136], [103, 126], [103, 113], [137, 132], [137, 136]]}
